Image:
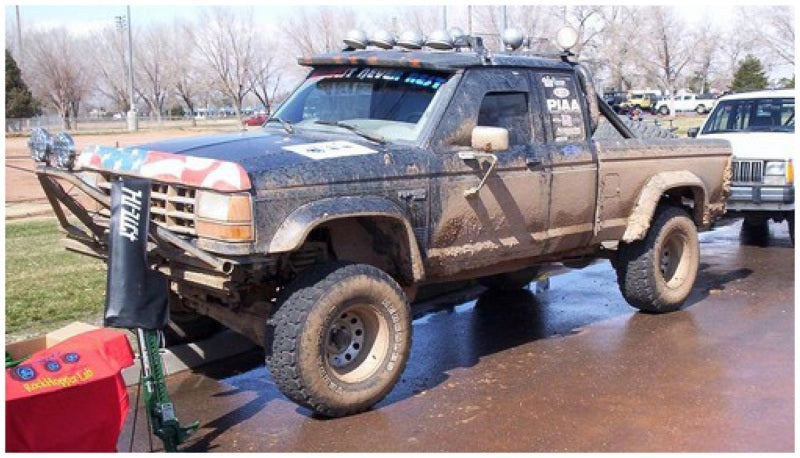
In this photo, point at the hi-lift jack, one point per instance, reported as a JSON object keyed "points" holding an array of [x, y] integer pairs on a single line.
{"points": [[160, 409]]}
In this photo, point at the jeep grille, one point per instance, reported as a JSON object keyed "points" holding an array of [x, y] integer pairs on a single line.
{"points": [[748, 171], [171, 206]]}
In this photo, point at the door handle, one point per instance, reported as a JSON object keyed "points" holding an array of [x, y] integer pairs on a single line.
{"points": [[534, 161]]}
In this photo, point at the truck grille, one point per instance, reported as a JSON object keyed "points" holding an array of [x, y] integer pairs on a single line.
{"points": [[171, 206], [748, 171]]}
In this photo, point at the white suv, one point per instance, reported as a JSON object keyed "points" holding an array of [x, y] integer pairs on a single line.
{"points": [[760, 127]]}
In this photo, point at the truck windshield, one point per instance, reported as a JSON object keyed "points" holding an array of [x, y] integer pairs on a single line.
{"points": [[387, 103], [752, 115]]}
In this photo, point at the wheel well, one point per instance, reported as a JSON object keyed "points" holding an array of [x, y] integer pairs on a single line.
{"points": [[690, 198], [379, 241]]}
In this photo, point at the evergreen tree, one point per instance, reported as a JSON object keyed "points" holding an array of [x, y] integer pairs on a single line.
{"points": [[750, 75], [19, 100]]}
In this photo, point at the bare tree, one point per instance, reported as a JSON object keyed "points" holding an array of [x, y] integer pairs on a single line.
{"points": [[107, 57], [667, 45], [55, 71], [318, 30], [226, 44], [186, 75], [619, 55], [705, 51], [265, 77], [152, 75], [772, 31]]}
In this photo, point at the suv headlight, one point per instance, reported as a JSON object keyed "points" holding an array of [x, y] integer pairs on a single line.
{"points": [[225, 217], [775, 172]]}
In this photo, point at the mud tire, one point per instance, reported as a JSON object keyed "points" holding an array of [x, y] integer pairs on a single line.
{"points": [[301, 333], [754, 232], [790, 222], [649, 278], [510, 281]]}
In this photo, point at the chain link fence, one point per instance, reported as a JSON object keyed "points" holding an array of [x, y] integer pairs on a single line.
{"points": [[109, 124]]}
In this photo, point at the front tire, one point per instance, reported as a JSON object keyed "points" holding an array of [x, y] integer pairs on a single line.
{"points": [[663, 110], [340, 338], [657, 274]]}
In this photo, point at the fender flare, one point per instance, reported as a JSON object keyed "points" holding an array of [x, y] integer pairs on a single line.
{"points": [[656, 186], [295, 228]]}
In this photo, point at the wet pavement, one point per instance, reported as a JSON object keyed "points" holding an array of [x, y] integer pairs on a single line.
{"points": [[572, 369]]}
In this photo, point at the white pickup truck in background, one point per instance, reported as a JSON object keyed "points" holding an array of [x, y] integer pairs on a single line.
{"points": [[760, 127], [687, 102]]}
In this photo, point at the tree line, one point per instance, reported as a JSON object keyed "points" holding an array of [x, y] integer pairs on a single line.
{"points": [[224, 58]]}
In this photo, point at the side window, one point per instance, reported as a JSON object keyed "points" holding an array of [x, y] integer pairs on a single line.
{"points": [[564, 111], [510, 111]]}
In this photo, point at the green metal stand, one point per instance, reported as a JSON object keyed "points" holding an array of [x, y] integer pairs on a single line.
{"points": [[159, 407]]}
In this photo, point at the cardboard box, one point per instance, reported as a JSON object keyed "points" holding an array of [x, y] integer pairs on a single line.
{"points": [[26, 347]]}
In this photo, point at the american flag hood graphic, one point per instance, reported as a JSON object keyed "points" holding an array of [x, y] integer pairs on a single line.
{"points": [[191, 171]]}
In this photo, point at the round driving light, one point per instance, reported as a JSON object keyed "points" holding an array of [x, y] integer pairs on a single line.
{"points": [[411, 39], [64, 150], [440, 39], [40, 144], [382, 39], [567, 37], [356, 39], [513, 38]]}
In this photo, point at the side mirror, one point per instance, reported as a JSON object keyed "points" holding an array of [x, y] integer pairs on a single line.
{"points": [[692, 132], [489, 139]]}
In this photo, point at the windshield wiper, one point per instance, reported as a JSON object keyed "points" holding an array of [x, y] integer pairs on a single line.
{"points": [[287, 126], [369, 136]]}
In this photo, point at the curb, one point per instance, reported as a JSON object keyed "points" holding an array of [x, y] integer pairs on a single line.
{"points": [[189, 356]]}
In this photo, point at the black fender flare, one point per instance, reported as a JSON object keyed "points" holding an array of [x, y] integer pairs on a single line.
{"points": [[295, 228]]}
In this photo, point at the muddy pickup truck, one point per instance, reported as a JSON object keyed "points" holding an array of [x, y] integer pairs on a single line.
{"points": [[386, 172]]}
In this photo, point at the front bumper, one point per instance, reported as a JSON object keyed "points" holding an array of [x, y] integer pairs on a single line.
{"points": [[178, 257], [757, 197]]}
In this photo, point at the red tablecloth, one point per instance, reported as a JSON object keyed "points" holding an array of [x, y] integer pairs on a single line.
{"points": [[70, 397]]}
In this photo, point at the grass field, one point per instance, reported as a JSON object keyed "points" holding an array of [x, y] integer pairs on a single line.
{"points": [[46, 286]]}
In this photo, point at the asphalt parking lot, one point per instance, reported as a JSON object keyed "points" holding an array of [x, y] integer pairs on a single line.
{"points": [[573, 368]]}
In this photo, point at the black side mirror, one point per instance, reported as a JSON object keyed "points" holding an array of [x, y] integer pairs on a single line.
{"points": [[692, 132]]}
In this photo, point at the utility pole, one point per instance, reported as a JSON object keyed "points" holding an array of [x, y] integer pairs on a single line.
{"points": [[504, 24], [133, 122], [19, 39], [444, 17], [469, 20]]}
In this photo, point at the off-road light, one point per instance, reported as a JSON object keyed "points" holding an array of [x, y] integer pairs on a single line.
{"points": [[411, 39], [40, 144], [356, 39], [439, 39], [513, 39], [64, 150], [567, 38], [382, 39]]}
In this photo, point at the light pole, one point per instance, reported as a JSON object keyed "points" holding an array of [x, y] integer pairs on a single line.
{"points": [[133, 122]]}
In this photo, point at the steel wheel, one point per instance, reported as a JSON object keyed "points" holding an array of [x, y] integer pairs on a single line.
{"points": [[357, 343]]}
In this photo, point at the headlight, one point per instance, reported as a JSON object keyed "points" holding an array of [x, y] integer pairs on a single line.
{"points": [[64, 150], [40, 144], [226, 217], [775, 173], [775, 168]]}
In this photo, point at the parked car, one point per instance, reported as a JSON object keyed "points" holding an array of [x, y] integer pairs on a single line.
{"points": [[700, 104], [614, 99], [760, 127], [255, 120], [644, 101]]}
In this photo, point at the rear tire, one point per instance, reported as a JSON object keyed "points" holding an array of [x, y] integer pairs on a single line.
{"points": [[510, 281], [701, 109], [340, 338], [657, 274], [663, 110]]}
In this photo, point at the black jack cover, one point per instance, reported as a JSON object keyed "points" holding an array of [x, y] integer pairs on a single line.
{"points": [[136, 296]]}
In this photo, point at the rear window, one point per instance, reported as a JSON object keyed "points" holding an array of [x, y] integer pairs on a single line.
{"points": [[752, 115]]}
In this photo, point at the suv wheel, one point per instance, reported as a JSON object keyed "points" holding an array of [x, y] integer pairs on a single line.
{"points": [[664, 110], [340, 338], [510, 281], [701, 109], [657, 274]]}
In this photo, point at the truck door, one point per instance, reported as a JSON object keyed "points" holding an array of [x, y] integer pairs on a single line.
{"points": [[572, 158], [507, 218]]}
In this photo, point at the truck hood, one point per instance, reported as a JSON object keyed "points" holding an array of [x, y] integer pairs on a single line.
{"points": [[759, 145], [262, 159]]}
